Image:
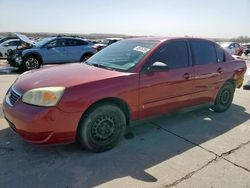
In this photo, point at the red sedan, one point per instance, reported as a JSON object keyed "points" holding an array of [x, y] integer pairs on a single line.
{"points": [[132, 79]]}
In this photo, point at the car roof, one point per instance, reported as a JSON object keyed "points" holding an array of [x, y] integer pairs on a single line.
{"points": [[163, 39], [10, 40], [78, 38]]}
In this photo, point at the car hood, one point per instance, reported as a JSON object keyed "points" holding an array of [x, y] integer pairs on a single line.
{"points": [[25, 39], [68, 75]]}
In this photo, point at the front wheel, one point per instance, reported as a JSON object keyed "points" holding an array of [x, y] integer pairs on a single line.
{"points": [[32, 63], [102, 128], [224, 98]]}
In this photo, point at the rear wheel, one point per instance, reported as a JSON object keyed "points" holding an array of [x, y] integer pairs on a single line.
{"points": [[102, 128], [32, 62], [85, 57], [224, 97]]}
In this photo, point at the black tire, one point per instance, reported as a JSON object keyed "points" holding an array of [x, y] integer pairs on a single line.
{"points": [[102, 128], [224, 97], [85, 57], [31, 62]]}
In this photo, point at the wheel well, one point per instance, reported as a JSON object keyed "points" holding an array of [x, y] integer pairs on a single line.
{"points": [[34, 55], [86, 54], [114, 101], [233, 82]]}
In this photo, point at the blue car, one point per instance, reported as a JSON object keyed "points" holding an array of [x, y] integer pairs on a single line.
{"points": [[50, 50]]}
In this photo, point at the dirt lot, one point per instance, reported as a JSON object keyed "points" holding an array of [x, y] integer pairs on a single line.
{"points": [[186, 149]]}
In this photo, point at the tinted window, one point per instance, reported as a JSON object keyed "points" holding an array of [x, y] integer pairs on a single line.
{"points": [[14, 43], [236, 45], [57, 43], [203, 52], [220, 53], [174, 54], [75, 42], [61, 43]]}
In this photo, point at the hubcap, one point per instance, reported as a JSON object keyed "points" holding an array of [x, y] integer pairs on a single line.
{"points": [[225, 97], [32, 63], [103, 128]]}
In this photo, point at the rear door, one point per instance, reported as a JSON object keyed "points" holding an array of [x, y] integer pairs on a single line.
{"points": [[207, 71], [76, 48], [169, 90]]}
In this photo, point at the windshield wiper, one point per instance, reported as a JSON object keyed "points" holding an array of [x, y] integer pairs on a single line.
{"points": [[102, 66], [86, 62]]}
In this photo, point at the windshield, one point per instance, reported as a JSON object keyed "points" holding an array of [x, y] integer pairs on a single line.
{"points": [[44, 41], [123, 55]]}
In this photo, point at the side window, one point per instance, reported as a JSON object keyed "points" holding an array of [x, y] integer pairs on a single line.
{"points": [[52, 44], [203, 52], [174, 54], [236, 45], [76, 42], [220, 53], [82, 42], [231, 46], [14, 43], [61, 43], [57, 43]]}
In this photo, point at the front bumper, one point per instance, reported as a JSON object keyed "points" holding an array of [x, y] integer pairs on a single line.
{"points": [[41, 125], [13, 62]]}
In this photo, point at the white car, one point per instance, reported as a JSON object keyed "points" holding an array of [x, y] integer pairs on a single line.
{"points": [[11, 44], [232, 48]]}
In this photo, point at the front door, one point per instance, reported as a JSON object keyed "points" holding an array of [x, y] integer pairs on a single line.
{"points": [[55, 52], [169, 90]]}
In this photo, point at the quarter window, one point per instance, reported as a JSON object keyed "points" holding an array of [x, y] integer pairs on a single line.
{"points": [[174, 54], [203, 52]]}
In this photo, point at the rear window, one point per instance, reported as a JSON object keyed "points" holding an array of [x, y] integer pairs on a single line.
{"points": [[76, 42], [203, 52]]}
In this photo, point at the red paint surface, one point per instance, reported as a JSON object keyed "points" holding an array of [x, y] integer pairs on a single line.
{"points": [[146, 94]]}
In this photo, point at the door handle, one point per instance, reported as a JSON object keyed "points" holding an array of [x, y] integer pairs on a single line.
{"points": [[220, 70], [187, 76]]}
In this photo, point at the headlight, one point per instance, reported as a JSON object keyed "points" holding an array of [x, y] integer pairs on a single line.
{"points": [[46, 96]]}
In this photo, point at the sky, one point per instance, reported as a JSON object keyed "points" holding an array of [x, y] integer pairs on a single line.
{"points": [[200, 18]]}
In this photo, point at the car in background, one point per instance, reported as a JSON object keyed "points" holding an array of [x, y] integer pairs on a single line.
{"points": [[10, 44], [233, 48], [52, 50], [106, 42], [7, 38], [93, 102], [246, 48]]}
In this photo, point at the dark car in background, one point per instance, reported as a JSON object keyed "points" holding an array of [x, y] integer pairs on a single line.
{"points": [[7, 38], [51, 50]]}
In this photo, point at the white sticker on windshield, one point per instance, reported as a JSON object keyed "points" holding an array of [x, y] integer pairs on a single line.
{"points": [[141, 49]]}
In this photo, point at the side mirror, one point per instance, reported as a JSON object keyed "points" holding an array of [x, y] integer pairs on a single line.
{"points": [[6, 45], [158, 67]]}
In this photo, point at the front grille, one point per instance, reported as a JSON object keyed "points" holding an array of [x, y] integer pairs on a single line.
{"points": [[13, 97]]}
